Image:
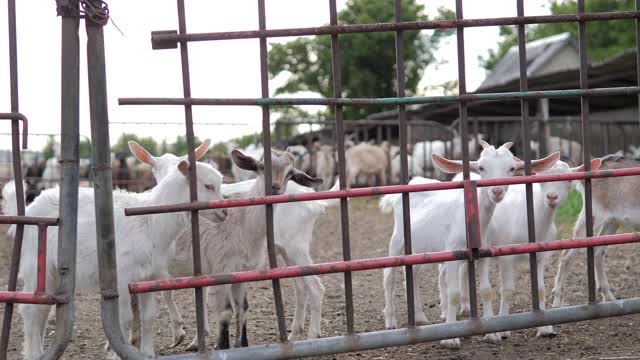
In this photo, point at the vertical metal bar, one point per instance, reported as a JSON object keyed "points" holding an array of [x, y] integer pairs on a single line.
{"points": [[606, 137], [17, 175], [266, 135], [193, 192], [69, 154], [524, 112], [404, 166], [42, 259], [103, 193], [637, 57], [342, 170], [462, 89], [586, 147]]}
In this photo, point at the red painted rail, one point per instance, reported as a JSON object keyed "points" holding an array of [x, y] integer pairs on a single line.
{"points": [[372, 191], [375, 263], [29, 298]]}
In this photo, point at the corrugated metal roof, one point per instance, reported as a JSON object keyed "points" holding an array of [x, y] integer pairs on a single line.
{"points": [[539, 52]]}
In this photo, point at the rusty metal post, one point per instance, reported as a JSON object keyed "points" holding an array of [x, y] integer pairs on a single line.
{"points": [[526, 145], [17, 174], [342, 169], [462, 89], [266, 135], [404, 167], [101, 155], [586, 148], [193, 192]]}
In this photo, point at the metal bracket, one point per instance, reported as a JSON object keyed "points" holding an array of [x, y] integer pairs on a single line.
{"points": [[159, 42]]}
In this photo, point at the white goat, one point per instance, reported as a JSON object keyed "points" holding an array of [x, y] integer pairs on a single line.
{"points": [[325, 164], [366, 159], [144, 245], [394, 155], [615, 203], [634, 152], [507, 229], [293, 232], [436, 224], [303, 157], [422, 152]]}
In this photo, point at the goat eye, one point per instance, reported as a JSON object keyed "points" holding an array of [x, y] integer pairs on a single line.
{"points": [[512, 169], [481, 168], [290, 173], [210, 187], [260, 166]]}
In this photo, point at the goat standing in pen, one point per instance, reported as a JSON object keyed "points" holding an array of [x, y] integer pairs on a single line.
{"points": [[144, 245], [437, 220], [615, 204]]}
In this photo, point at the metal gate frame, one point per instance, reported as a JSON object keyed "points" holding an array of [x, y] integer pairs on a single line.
{"points": [[412, 334], [64, 295]]}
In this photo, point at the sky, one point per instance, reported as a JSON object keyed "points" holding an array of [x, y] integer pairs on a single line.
{"points": [[225, 69]]}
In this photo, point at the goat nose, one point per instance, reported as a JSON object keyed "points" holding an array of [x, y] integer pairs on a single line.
{"points": [[498, 191], [275, 188], [552, 196]]}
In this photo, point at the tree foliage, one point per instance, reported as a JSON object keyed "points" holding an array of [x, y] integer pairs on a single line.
{"points": [[367, 60], [604, 38], [122, 147]]}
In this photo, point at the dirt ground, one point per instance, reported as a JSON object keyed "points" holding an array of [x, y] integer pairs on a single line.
{"points": [[615, 338]]}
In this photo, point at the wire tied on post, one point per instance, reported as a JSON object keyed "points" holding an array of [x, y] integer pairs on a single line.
{"points": [[95, 10]]}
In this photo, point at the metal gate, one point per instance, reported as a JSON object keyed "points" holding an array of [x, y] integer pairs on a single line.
{"points": [[352, 341]]}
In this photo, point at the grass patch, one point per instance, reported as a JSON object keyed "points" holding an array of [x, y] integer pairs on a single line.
{"points": [[567, 214]]}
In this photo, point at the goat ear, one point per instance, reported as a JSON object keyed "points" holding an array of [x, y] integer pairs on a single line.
{"points": [[140, 153], [595, 165], [305, 180], [202, 149], [243, 161], [452, 166], [507, 145], [545, 164], [484, 144], [183, 167]]}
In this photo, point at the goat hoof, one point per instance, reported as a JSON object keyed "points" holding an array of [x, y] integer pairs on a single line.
{"points": [[314, 335], [546, 331], [421, 319], [177, 340], [391, 324], [494, 338], [452, 344], [505, 335]]}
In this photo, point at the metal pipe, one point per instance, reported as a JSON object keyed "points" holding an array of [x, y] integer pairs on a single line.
{"points": [[526, 145], [170, 38], [342, 170], [421, 334], [404, 166], [69, 154], [586, 150], [28, 220], [42, 259], [193, 193], [19, 297], [377, 263], [101, 159], [266, 134], [17, 173], [374, 191], [25, 125], [516, 95]]}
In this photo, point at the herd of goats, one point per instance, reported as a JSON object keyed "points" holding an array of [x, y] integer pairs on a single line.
{"points": [[159, 246]]}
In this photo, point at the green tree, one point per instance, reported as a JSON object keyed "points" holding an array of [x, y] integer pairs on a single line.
{"points": [[179, 147], [85, 148], [122, 145], [367, 60], [48, 149], [604, 38]]}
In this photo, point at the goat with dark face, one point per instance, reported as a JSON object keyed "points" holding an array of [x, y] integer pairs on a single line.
{"points": [[238, 243]]}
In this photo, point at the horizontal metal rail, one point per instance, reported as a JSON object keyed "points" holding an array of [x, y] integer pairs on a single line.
{"points": [[25, 124], [373, 191], [516, 95], [376, 263], [168, 39], [19, 297], [420, 334], [29, 220]]}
